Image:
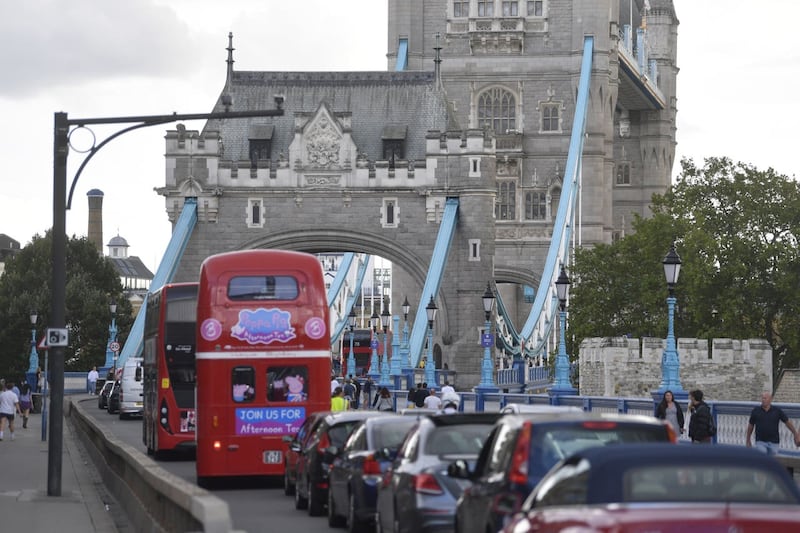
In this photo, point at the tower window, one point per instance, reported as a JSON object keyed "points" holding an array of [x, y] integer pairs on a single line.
{"points": [[255, 213], [535, 206], [510, 8], [497, 110], [505, 209], [486, 8], [550, 120], [460, 8], [260, 137], [535, 8], [624, 174], [389, 214]]}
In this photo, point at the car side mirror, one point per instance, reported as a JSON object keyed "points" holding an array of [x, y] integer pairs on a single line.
{"points": [[459, 469]]}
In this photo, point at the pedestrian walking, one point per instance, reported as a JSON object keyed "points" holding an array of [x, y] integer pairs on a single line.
{"points": [[421, 394], [25, 402], [669, 410], [92, 379], [383, 400], [432, 401], [766, 419], [349, 393], [366, 389], [9, 407], [701, 424]]}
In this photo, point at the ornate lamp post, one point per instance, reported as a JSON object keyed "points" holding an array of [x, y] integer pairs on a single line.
{"points": [[670, 362], [430, 371], [351, 359], [487, 341], [111, 355], [385, 379], [374, 364], [562, 383], [33, 359]]}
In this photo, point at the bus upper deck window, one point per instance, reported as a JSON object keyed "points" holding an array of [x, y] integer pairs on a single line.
{"points": [[243, 380], [263, 288]]}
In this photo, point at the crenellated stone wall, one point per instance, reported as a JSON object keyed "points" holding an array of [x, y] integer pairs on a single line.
{"points": [[724, 369]]}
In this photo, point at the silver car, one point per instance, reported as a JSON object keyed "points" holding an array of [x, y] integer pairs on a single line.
{"points": [[416, 494]]}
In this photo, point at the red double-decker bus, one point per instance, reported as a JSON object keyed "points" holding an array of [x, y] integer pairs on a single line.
{"points": [[169, 368], [263, 358]]}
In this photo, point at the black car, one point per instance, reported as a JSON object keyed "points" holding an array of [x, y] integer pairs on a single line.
{"points": [[112, 405], [297, 443], [358, 467], [311, 485], [522, 448], [102, 397]]}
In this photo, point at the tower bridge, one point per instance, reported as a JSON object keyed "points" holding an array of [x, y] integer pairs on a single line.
{"points": [[504, 115]]}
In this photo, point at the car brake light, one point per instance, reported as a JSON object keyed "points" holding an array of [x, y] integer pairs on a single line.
{"points": [[519, 460], [605, 425], [371, 467], [427, 484]]}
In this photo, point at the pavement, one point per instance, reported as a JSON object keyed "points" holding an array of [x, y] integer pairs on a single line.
{"points": [[84, 505]]}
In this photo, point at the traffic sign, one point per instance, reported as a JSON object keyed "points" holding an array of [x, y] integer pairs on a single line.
{"points": [[114, 346], [57, 337], [43, 343]]}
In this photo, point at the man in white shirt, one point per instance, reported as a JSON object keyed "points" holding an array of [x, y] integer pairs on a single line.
{"points": [[447, 389], [92, 377], [9, 406], [433, 401], [334, 384]]}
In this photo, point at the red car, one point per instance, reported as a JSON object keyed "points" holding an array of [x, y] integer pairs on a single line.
{"points": [[666, 488]]}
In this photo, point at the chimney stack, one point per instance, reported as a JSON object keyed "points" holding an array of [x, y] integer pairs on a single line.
{"points": [[95, 231]]}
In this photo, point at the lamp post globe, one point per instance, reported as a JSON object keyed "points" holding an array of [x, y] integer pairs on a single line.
{"points": [[487, 341], [562, 384], [430, 371], [670, 361]]}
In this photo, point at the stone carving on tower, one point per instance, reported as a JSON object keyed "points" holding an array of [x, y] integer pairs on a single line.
{"points": [[323, 142]]}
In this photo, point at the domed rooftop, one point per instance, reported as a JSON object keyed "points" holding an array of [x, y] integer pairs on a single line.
{"points": [[117, 241]]}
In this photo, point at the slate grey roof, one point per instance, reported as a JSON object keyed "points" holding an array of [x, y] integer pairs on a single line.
{"points": [[131, 267], [375, 99]]}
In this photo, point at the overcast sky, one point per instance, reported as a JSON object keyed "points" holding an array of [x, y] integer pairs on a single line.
{"points": [[740, 69]]}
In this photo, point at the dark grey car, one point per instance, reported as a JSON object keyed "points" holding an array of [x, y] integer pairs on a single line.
{"points": [[416, 494]]}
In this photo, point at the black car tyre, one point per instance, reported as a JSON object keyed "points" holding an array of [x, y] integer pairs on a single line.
{"points": [[315, 506], [299, 501], [334, 520]]}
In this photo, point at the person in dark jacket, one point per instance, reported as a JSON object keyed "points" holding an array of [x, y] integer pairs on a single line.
{"points": [[670, 410], [701, 422], [421, 394]]}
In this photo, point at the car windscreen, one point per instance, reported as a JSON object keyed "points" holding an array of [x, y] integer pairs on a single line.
{"points": [[339, 432], [391, 435], [550, 443]]}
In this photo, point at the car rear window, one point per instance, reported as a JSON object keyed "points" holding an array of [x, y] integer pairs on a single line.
{"points": [[457, 439], [339, 433], [709, 483], [550, 443], [391, 435]]}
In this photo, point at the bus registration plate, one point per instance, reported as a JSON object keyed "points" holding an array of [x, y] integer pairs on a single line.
{"points": [[272, 457]]}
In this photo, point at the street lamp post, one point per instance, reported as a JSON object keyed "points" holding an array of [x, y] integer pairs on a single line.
{"points": [[430, 371], [404, 348], [351, 359], [487, 341], [63, 126], [33, 359], [385, 379], [374, 363], [112, 337], [670, 362], [562, 384]]}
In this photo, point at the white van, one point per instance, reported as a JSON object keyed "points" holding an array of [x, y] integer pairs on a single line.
{"points": [[131, 394]]}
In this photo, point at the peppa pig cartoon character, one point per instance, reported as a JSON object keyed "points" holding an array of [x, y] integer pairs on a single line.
{"points": [[296, 384]]}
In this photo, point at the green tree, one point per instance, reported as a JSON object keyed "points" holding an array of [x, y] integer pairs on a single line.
{"points": [[92, 282], [736, 230]]}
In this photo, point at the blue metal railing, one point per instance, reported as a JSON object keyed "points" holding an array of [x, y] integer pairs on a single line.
{"points": [[166, 270]]}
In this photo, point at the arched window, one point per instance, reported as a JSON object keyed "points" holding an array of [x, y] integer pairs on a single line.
{"points": [[497, 109]]}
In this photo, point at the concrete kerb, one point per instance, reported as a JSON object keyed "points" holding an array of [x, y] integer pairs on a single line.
{"points": [[147, 492]]}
